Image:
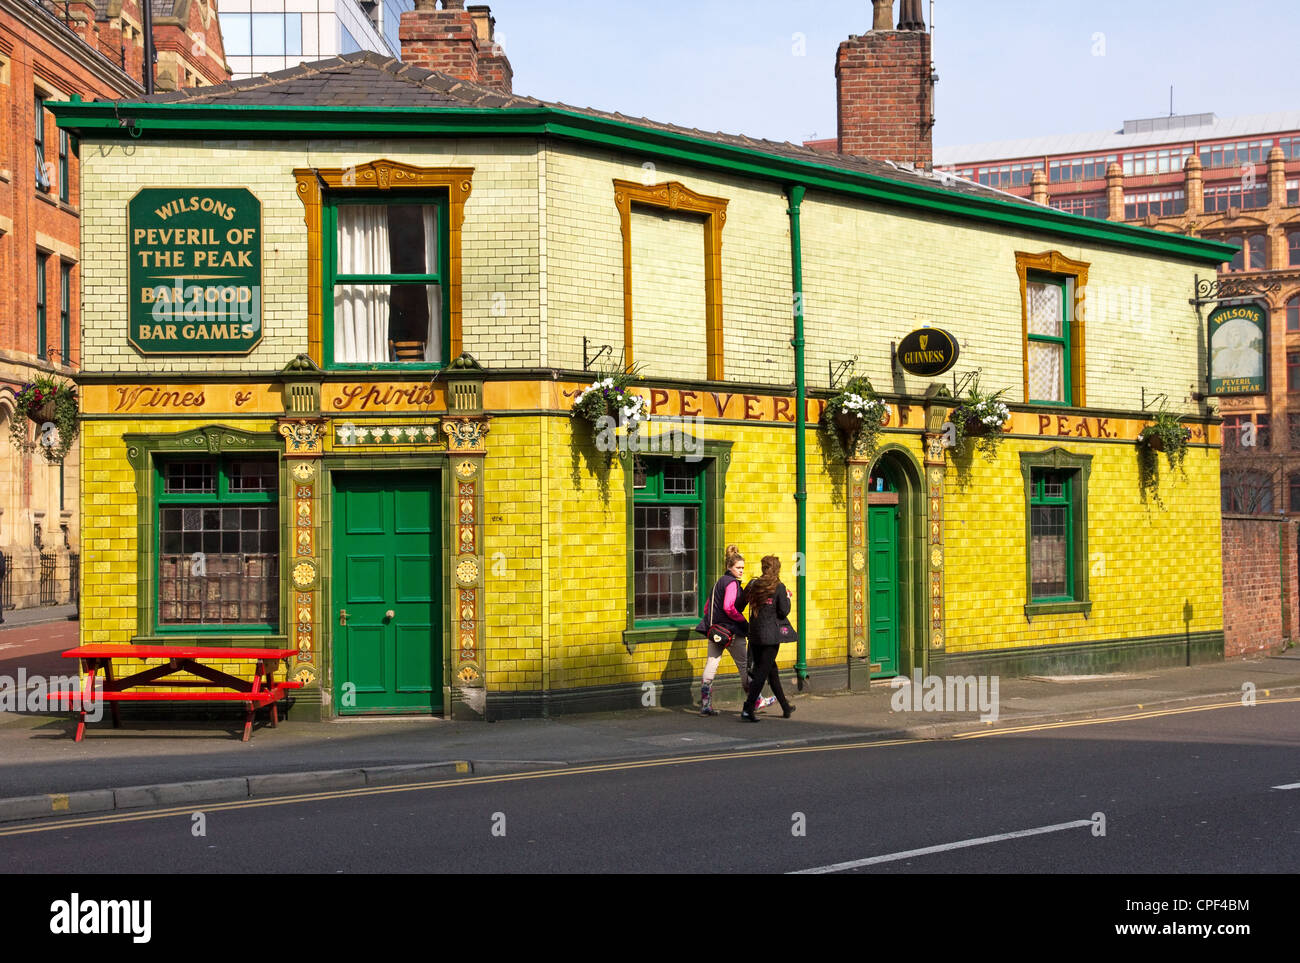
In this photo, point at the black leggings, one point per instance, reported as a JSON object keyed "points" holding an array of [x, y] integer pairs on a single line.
{"points": [[765, 671]]}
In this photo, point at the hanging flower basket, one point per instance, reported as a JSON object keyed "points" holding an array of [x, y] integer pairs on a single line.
{"points": [[609, 397], [1169, 435], [41, 413], [980, 414], [1152, 440], [46, 402], [848, 422], [854, 417]]}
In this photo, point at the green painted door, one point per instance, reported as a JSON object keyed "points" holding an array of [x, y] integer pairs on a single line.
{"points": [[882, 586], [387, 579]]}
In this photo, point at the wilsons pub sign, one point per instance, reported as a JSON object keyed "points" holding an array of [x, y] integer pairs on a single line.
{"points": [[927, 352], [1237, 338], [196, 270]]}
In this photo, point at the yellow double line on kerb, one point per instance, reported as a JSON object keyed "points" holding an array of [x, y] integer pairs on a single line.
{"points": [[130, 817]]}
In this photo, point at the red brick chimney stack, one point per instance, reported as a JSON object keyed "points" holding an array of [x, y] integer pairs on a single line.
{"points": [[443, 35], [493, 68], [886, 90]]}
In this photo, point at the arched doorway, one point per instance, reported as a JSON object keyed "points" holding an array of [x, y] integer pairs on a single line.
{"points": [[895, 543]]}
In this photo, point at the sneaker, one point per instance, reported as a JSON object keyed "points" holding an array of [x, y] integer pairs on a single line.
{"points": [[708, 711], [764, 702], [747, 716]]}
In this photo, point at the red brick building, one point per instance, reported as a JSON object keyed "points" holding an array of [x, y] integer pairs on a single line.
{"points": [[186, 36], [1235, 180], [51, 52]]}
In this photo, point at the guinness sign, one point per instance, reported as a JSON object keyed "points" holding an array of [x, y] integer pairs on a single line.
{"points": [[927, 352]]}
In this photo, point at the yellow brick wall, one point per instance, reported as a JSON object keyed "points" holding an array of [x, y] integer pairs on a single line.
{"points": [[1145, 563], [513, 644], [871, 275], [573, 638], [109, 512], [584, 250], [500, 253], [668, 317]]}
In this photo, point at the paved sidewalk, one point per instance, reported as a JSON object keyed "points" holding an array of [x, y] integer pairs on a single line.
{"points": [[39, 757], [13, 618]]}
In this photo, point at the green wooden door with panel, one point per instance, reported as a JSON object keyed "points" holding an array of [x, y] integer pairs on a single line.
{"points": [[387, 592]]}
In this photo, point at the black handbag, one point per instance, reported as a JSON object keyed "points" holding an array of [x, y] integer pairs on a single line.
{"points": [[785, 631], [716, 633]]}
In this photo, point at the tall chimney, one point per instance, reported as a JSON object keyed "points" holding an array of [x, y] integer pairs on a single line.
{"points": [[455, 41], [493, 68], [885, 89]]}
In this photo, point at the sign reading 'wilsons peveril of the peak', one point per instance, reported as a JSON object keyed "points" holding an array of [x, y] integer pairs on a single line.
{"points": [[196, 270], [1238, 340]]}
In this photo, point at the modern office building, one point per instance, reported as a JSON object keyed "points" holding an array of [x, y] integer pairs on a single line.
{"points": [[262, 36]]}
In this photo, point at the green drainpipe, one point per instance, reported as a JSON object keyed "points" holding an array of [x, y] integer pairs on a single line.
{"points": [[796, 193]]}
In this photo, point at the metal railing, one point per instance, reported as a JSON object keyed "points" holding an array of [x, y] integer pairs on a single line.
{"points": [[74, 580], [49, 585], [6, 584]]}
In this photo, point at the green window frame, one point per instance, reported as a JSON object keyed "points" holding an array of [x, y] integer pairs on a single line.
{"points": [[660, 485], [65, 312], [712, 458], [42, 179], [215, 506], [333, 278], [1065, 284], [63, 166], [41, 346], [1071, 473]]}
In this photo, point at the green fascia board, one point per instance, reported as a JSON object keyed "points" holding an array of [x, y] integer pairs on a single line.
{"points": [[204, 120]]}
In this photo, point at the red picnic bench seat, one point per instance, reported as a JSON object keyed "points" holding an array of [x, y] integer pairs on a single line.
{"points": [[98, 659]]}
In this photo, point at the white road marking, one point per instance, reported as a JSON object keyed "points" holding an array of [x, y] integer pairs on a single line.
{"points": [[1291, 785], [944, 847]]}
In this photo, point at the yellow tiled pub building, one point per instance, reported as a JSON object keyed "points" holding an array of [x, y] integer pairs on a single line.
{"points": [[335, 321]]}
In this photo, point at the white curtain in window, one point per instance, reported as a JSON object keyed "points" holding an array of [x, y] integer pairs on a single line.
{"points": [[433, 340], [1046, 316], [361, 310]]}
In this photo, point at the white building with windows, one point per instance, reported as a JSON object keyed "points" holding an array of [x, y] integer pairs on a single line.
{"points": [[263, 36]]}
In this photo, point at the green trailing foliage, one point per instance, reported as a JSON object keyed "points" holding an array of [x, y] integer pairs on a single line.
{"points": [[981, 415], [1166, 433], [50, 405], [853, 418]]}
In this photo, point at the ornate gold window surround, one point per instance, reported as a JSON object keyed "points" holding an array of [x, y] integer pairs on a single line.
{"points": [[674, 196], [1054, 262], [382, 175]]}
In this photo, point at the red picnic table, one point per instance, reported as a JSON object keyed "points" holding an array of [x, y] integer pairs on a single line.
{"points": [[97, 659]]}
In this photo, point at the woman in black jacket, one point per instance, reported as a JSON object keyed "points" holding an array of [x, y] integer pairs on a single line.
{"points": [[769, 610]]}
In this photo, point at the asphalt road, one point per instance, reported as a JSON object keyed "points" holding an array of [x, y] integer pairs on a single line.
{"points": [[36, 649], [1180, 792]]}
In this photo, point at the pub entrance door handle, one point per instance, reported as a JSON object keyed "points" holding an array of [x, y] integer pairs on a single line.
{"points": [[390, 614], [343, 616]]}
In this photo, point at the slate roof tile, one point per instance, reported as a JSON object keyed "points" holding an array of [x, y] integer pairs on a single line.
{"points": [[367, 79]]}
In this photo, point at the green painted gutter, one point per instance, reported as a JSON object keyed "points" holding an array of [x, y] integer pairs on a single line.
{"points": [[796, 193], [117, 120]]}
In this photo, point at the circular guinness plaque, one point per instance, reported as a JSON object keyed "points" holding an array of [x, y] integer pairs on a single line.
{"points": [[927, 352]]}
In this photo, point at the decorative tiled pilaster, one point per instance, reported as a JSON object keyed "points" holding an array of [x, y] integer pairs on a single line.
{"points": [[467, 571], [935, 468], [857, 559], [302, 439]]}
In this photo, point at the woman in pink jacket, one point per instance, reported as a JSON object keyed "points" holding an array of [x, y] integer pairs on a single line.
{"points": [[725, 607]]}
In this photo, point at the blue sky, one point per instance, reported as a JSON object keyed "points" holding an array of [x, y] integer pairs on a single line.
{"points": [[1007, 68]]}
